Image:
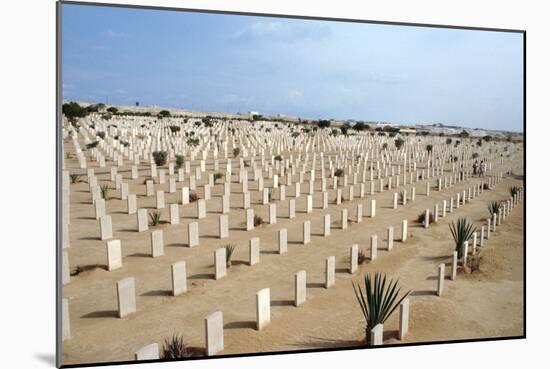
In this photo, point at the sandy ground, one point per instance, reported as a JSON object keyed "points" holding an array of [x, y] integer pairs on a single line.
{"points": [[486, 303]]}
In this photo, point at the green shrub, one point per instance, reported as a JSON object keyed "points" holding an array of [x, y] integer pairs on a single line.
{"points": [[339, 172], [462, 231], [494, 207], [258, 221], [378, 300], [174, 348], [92, 144], [179, 161], [229, 249], [155, 218], [399, 143], [104, 189], [74, 178], [74, 110], [217, 176], [160, 158]]}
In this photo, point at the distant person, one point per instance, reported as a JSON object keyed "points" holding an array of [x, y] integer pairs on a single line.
{"points": [[475, 167]]}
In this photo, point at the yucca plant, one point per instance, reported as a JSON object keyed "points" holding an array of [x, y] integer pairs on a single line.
{"points": [[378, 301], [174, 348], [514, 190], [228, 254], [74, 178], [493, 207], [155, 218], [462, 231], [104, 189]]}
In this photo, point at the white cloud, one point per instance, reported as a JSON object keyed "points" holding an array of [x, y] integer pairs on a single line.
{"points": [[114, 34], [278, 31]]}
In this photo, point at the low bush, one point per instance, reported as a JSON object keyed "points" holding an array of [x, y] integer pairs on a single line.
{"points": [[155, 218]]}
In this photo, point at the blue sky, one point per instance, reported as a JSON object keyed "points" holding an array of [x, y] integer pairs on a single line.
{"points": [[307, 68]]}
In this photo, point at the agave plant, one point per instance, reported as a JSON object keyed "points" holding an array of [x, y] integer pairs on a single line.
{"points": [[228, 254], [74, 178], [462, 231], [104, 189], [174, 348], [378, 301], [155, 218], [514, 190], [493, 207]]}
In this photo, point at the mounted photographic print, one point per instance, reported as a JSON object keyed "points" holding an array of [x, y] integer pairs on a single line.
{"points": [[240, 184]]}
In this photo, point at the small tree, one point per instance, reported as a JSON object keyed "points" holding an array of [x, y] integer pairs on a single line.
{"points": [[449, 141], [164, 113], [323, 123], [160, 158], [112, 110]]}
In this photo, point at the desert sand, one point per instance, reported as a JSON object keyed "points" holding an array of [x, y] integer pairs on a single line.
{"points": [[482, 304]]}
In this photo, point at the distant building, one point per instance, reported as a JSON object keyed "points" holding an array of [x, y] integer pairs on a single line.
{"points": [[408, 131], [253, 113]]}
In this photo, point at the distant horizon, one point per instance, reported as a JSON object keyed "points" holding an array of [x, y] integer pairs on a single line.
{"points": [[367, 121], [310, 69]]}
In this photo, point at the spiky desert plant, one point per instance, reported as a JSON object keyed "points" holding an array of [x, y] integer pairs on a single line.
{"points": [[155, 218], [229, 249], [462, 231], [193, 197], [493, 207], [104, 189], [74, 178], [217, 176], [269, 195], [378, 301], [339, 172], [174, 348], [278, 158], [514, 190]]}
